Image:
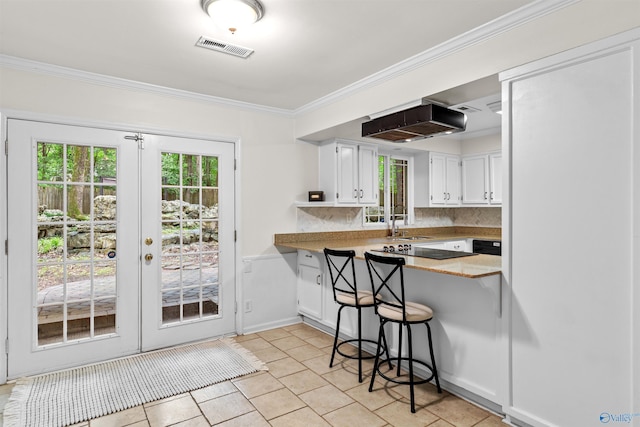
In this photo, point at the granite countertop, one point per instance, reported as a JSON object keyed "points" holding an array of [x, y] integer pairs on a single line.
{"points": [[360, 241]]}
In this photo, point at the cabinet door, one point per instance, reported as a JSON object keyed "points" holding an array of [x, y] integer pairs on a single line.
{"points": [[347, 170], [474, 180], [368, 174], [310, 291], [453, 181], [495, 180], [437, 183]]}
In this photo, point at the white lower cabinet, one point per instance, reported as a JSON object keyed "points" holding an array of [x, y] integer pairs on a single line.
{"points": [[310, 284]]}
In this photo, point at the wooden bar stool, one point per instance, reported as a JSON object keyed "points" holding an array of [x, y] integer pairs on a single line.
{"points": [[346, 294], [387, 285]]}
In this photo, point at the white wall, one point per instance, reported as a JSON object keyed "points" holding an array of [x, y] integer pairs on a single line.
{"points": [[571, 254], [269, 155]]}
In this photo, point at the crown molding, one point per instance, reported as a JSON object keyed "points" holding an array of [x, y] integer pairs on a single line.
{"points": [[119, 83], [478, 35]]}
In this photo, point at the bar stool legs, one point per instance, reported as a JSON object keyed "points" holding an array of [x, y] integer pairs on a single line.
{"points": [[409, 359], [359, 340]]}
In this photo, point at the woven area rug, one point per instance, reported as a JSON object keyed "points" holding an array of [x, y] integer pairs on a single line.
{"points": [[68, 397]]}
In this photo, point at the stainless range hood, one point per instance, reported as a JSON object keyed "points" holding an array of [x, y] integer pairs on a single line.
{"points": [[423, 121]]}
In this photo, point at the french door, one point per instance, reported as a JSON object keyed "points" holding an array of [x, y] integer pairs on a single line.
{"points": [[118, 243]]}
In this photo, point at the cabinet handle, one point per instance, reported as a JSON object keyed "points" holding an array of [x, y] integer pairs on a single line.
{"points": [[355, 193], [485, 195], [491, 196], [361, 193], [318, 279]]}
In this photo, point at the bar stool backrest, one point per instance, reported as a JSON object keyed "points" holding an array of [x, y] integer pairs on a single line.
{"points": [[387, 281], [342, 271]]}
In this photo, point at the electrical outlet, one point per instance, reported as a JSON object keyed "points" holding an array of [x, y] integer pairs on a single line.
{"points": [[248, 306]]}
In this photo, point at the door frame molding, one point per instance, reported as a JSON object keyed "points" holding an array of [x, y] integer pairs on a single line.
{"points": [[6, 114]]}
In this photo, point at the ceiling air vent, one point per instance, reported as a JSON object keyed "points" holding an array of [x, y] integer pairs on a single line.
{"points": [[220, 46]]}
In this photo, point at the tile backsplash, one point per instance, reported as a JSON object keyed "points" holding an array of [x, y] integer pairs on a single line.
{"points": [[312, 219]]}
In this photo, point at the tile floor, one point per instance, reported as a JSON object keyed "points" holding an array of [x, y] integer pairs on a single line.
{"points": [[299, 390]]}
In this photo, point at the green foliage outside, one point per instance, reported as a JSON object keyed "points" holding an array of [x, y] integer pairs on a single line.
{"points": [[48, 244]]}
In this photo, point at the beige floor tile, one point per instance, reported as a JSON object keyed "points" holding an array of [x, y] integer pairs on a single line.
{"points": [[6, 388], [247, 337], [491, 421], [167, 399], [144, 423], [257, 385], [274, 334], [283, 367], [320, 365], [304, 417], [295, 326], [270, 354], [304, 331], [458, 412], [342, 378], [252, 419], [442, 423], [304, 352], [226, 407], [256, 344], [399, 414], [277, 403], [354, 415], [213, 391], [320, 341], [326, 399], [82, 424], [371, 400], [304, 381], [172, 411], [425, 394], [200, 421], [122, 418], [288, 343]]}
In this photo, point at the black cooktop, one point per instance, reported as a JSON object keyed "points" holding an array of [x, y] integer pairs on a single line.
{"points": [[426, 253]]}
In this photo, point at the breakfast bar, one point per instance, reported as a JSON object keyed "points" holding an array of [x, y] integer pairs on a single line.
{"points": [[465, 293]]}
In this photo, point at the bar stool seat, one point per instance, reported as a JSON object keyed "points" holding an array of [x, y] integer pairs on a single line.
{"points": [[387, 284], [361, 298], [346, 294], [415, 312]]}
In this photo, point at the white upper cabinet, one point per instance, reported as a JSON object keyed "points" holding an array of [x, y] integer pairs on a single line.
{"points": [[349, 173], [437, 180], [482, 179]]}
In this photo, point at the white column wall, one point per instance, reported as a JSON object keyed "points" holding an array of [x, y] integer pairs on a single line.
{"points": [[571, 254]]}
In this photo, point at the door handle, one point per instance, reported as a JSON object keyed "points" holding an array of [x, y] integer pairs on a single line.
{"points": [[148, 257]]}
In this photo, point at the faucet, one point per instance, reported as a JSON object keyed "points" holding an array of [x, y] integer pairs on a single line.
{"points": [[394, 229]]}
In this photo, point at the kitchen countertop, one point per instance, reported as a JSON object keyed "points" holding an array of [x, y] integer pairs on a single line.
{"points": [[360, 241]]}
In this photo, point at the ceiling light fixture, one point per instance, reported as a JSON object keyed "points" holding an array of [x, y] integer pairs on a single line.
{"points": [[233, 14]]}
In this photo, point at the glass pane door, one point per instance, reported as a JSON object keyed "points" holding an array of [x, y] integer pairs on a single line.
{"points": [[73, 271], [76, 242], [188, 277], [190, 248]]}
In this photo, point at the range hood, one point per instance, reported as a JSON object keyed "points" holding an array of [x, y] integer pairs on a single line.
{"points": [[423, 121]]}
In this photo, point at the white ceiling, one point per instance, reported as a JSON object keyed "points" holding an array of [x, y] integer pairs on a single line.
{"points": [[304, 49]]}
